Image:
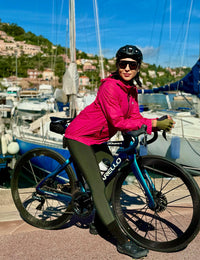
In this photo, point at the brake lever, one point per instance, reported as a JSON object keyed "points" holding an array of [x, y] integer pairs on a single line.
{"points": [[164, 135]]}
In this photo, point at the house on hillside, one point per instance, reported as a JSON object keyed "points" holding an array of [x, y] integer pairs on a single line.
{"points": [[88, 67], [34, 73], [48, 74], [8, 46], [84, 81]]}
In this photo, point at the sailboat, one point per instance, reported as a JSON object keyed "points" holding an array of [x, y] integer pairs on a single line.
{"points": [[183, 142], [26, 137]]}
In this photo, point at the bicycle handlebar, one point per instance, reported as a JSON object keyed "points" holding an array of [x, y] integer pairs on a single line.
{"points": [[138, 132], [135, 134], [129, 145]]}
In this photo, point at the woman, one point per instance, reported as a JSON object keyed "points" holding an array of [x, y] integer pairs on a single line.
{"points": [[114, 109]]}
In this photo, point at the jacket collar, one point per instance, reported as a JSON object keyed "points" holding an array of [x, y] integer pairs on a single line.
{"points": [[126, 87]]}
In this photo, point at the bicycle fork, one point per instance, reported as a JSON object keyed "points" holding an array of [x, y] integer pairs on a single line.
{"points": [[146, 183]]}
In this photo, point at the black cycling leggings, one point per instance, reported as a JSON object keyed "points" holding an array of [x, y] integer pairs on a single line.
{"points": [[86, 159]]}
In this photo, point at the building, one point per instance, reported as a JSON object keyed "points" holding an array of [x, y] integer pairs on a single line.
{"points": [[88, 66], [8, 46], [48, 74], [34, 73], [152, 73], [160, 73], [84, 81]]}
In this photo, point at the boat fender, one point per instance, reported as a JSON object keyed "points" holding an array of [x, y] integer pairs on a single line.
{"points": [[8, 138], [4, 147], [13, 148], [175, 147]]}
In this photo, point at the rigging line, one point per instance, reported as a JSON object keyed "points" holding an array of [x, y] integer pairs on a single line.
{"points": [[199, 44], [170, 31], [52, 29], [155, 14], [187, 101], [161, 31], [170, 20], [186, 35], [159, 43], [98, 36], [193, 149], [57, 33], [179, 36], [67, 43]]}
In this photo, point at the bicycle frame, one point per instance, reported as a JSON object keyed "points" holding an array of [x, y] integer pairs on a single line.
{"points": [[124, 155], [59, 196], [142, 176]]}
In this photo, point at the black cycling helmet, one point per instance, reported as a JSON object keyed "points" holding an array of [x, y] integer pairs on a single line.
{"points": [[129, 51]]}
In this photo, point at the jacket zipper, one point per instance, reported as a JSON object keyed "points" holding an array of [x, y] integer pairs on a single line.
{"points": [[101, 130], [128, 103]]}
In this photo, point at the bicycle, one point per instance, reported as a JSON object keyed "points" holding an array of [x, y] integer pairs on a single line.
{"points": [[155, 201]]}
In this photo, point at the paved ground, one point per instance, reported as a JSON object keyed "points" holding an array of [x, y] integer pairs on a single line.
{"points": [[20, 241]]}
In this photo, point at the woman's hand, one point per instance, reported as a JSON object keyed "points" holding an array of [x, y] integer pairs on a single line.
{"points": [[165, 123]]}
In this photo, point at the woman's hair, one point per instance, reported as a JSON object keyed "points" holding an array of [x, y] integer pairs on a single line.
{"points": [[137, 79]]}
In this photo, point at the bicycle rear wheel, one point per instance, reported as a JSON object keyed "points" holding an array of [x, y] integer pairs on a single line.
{"points": [[39, 210], [175, 221]]}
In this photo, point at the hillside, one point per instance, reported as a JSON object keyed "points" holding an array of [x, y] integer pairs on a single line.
{"points": [[14, 43]]}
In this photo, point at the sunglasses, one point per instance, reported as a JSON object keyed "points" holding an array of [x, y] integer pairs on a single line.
{"points": [[132, 64]]}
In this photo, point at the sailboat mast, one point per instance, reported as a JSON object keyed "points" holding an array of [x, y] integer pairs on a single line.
{"points": [[99, 39], [72, 31]]}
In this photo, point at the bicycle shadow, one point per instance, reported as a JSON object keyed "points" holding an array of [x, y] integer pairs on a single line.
{"points": [[137, 218], [144, 220], [84, 223], [52, 212], [80, 222]]}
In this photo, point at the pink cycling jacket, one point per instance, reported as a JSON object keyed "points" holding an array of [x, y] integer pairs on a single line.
{"points": [[114, 109]]}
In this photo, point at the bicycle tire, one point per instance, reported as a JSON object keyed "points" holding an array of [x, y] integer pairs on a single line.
{"points": [[175, 222], [41, 210]]}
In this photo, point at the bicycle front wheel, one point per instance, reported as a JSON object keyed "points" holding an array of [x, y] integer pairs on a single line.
{"points": [[43, 210], [175, 220]]}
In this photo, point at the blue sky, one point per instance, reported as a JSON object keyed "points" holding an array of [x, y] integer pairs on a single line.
{"points": [[167, 31]]}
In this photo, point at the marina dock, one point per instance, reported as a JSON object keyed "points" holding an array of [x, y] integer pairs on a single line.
{"points": [[20, 241]]}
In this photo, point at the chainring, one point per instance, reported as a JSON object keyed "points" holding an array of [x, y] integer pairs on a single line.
{"points": [[82, 203]]}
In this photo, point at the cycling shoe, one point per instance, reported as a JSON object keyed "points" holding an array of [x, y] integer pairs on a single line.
{"points": [[131, 249]]}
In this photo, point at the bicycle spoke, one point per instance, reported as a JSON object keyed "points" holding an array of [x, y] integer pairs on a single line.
{"points": [[175, 188], [49, 206], [132, 193], [178, 199], [163, 227]]}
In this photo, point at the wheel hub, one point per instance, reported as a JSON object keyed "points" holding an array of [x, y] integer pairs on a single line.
{"points": [[160, 201]]}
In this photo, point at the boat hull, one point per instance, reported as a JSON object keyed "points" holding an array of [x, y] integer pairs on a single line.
{"points": [[26, 146], [185, 151], [183, 141], [44, 162]]}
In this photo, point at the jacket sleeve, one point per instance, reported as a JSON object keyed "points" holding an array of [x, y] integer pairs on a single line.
{"points": [[109, 100]]}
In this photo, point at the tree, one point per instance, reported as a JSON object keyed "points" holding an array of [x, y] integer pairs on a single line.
{"points": [[12, 29], [59, 68]]}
